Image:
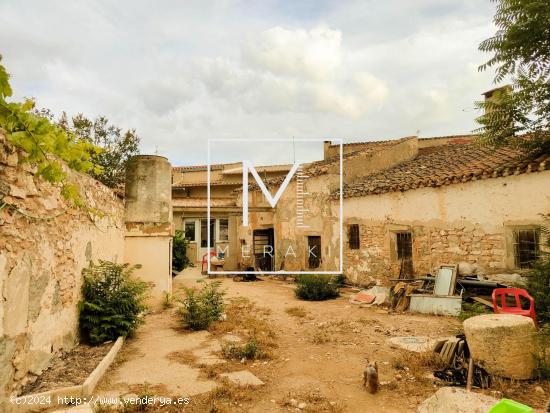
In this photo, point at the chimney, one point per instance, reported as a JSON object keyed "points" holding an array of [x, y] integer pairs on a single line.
{"points": [[326, 149], [494, 95]]}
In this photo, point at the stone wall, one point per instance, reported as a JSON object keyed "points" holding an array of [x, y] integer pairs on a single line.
{"points": [[471, 222], [41, 261], [375, 262]]}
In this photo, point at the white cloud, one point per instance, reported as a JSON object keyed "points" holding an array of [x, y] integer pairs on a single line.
{"points": [[312, 54], [186, 72]]}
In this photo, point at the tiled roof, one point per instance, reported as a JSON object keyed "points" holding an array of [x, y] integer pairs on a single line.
{"points": [[445, 165], [213, 167], [267, 168], [322, 167], [202, 202], [180, 185]]}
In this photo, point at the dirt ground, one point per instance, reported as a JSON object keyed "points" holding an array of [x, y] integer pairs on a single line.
{"points": [[70, 369], [321, 351]]}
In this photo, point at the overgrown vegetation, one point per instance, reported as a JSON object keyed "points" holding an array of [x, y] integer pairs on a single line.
{"points": [[179, 251], [296, 311], [201, 307], [249, 350], [251, 323], [316, 287], [112, 302], [472, 309], [542, 355], [45, 144], [537, 281], [521, 53]]}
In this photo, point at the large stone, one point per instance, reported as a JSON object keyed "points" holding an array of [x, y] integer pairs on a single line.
{"points": [[503, 344], [456, 400]]}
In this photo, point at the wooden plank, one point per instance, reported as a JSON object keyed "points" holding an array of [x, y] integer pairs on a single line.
{"points": [[483, 301]]}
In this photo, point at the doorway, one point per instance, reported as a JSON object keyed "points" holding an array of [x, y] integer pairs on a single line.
{"points": [[264, 249], [204, 247], [314, 251]]}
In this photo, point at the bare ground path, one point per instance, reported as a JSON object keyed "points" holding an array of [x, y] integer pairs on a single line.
{"points": [[319, 360]]}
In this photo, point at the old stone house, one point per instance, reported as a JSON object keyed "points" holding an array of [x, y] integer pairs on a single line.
{"points": [[409, 205], [189, 202]]}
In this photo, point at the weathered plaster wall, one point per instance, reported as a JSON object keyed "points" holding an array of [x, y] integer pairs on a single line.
{"points": [[41, 261], [467, 222], [291, 253], [148, 221]]}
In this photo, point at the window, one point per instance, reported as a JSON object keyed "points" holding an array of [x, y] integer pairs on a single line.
{"points": [[189, 228], [314, 251], [404, 245], [526, 247], [224, 229], [353, 236]]}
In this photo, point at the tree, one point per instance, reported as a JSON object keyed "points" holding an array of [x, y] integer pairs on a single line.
{"points": [[519, 116], [118, 145]]}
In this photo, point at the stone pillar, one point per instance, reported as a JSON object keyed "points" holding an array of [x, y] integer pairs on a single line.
{"points": [[148, 220]]}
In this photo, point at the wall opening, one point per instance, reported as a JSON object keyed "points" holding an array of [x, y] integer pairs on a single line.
{"points": [[353, 237], [314, 251]]}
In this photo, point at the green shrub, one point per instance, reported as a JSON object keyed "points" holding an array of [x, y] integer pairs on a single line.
{"points": [[202, 307], [250, 350], [542, 353], [179, 251], [538, 281], [316, 287], [471, 310], [112, 302]]}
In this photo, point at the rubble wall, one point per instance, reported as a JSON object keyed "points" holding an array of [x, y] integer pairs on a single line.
{"points": [[469, 222], [41, 263]]}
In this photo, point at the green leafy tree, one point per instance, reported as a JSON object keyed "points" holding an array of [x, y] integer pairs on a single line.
{"points": [[117, 145], [521, 55], [112, 302], [44, 143]]}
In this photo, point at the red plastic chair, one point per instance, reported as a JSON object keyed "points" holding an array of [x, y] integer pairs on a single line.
{"points": [[205, 260], [499, 294]]}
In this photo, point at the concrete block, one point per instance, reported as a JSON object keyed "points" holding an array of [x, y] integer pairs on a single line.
{"points": [[91, 382], [439, 305]]}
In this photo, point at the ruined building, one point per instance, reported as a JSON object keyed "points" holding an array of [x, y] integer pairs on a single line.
{"points": [[409, 205]]}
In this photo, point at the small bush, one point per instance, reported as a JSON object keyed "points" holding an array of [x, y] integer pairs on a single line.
{"points": [[167, 301], [316, 287], [112, 302], [179, 251], [296, 311], [200, 308], [250, 350]]}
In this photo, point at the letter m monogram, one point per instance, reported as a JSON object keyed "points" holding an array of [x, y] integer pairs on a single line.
{"points": [[249, 168]]}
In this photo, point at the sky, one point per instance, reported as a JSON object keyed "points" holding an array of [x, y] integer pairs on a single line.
{"points": [[184, 72]]}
